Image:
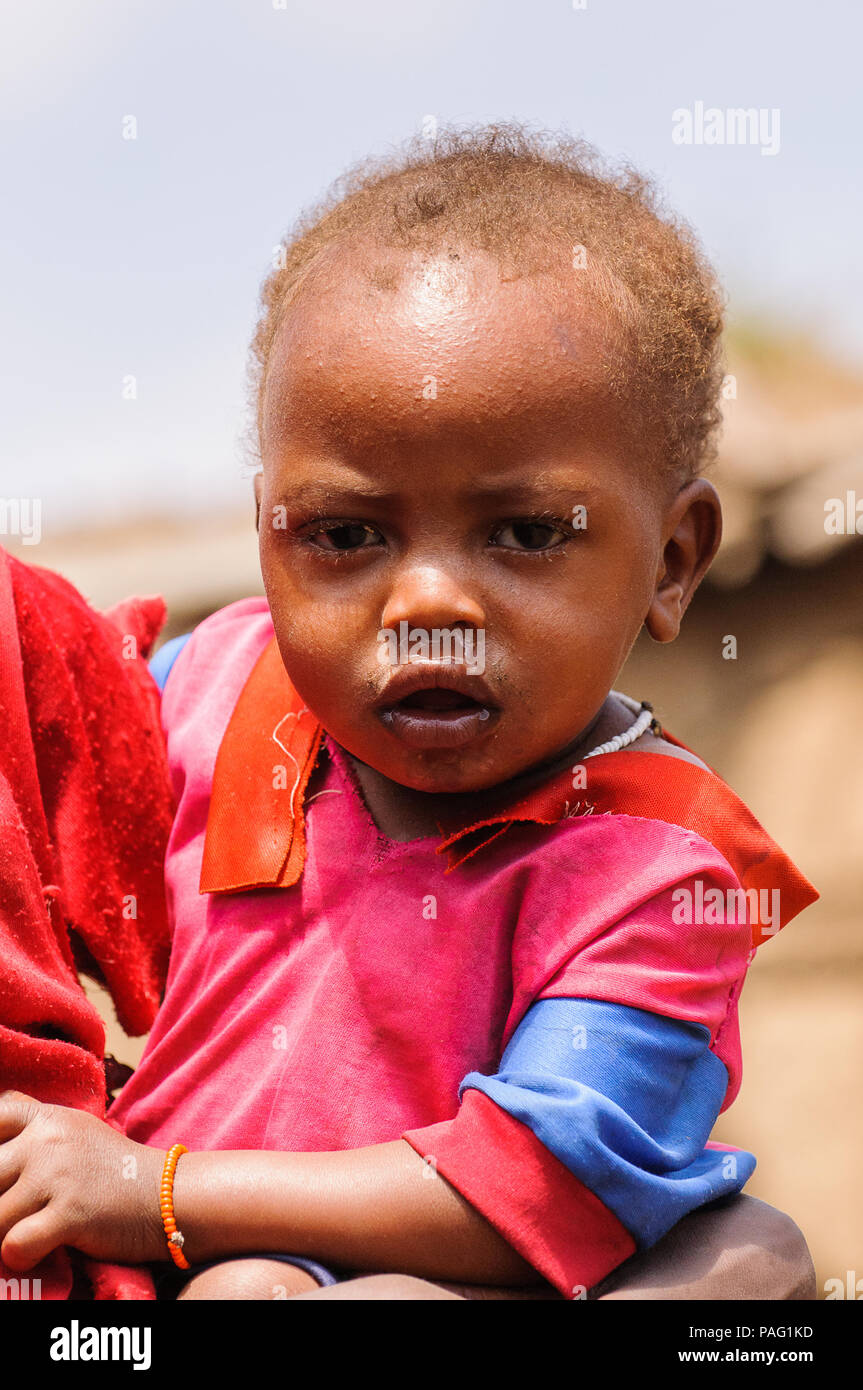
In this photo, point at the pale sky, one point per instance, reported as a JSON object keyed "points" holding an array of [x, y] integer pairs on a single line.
{"points": [[144, 257]]}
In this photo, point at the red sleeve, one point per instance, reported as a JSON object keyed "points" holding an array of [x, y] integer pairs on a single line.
{"points": [[502, 1169]]}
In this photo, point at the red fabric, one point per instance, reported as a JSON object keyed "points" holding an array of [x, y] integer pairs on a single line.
{"points": [[529, 1196], [656, 787], [248, 840], [85, 811]]}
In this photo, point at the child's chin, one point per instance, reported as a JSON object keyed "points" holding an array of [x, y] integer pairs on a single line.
{"points": [[444, 772]]}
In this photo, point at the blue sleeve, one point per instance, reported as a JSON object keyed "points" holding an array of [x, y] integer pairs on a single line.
{"points": [[626, 1100], [161, 663]]}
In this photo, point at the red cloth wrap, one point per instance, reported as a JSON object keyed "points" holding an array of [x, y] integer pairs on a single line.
{"points": [[85, 811]]}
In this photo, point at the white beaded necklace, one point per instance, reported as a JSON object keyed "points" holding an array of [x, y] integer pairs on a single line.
{"points": [[639, 726]]}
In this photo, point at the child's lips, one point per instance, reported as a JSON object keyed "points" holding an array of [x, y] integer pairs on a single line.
{"points": [[436, 710], [428, 727]]}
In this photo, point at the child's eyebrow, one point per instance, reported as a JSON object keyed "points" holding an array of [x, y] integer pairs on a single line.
{"points": [[319, 495], [543, 489], [547, 488]]}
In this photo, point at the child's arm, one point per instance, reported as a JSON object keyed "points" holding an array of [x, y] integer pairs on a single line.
{"points": [[69, 1179], [375, 1208]]}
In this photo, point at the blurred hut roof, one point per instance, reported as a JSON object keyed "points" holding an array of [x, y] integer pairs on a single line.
{"points": [[792, 440]]}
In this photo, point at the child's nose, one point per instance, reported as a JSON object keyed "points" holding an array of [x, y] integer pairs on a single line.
{"points": [[429, 596]]}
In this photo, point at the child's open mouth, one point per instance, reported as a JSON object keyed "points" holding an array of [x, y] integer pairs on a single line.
{"points": [[432, 715]]}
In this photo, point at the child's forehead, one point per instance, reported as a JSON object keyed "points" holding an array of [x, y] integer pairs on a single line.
{"points": [[359, 286], [435, 336]]}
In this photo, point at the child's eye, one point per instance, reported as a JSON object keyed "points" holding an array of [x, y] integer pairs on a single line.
{"points": [[529, 535], [345, 535]]}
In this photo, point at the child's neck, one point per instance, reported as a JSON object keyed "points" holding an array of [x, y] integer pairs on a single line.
{"points": [[403, 813]]}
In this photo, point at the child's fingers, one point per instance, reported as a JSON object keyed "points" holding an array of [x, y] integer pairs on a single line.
{"points": [[11, 1163], [32, 1239], [19, 1204], [16, 1112]]}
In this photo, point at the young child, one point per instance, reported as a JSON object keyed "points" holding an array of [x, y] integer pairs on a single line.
{"points": [[459, 931]]}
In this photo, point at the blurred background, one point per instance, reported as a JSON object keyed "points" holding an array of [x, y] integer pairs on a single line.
{"points": [[153, 155]]}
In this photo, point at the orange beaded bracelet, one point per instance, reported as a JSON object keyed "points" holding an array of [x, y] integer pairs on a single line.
{"points": [[166, 1206]]}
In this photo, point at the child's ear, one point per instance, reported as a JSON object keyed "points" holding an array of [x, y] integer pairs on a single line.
{"points": [[258, 485], [693, 530]]}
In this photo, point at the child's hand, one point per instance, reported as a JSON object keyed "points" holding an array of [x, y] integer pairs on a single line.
{"points": [[68, 1178]]}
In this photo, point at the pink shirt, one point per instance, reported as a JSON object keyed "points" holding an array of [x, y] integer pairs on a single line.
{"points": [[346, 1009]]}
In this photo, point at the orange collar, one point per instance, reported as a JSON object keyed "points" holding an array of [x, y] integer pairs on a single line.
{"points": [[255, 827]]}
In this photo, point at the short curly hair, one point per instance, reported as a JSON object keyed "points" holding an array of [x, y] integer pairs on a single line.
{"points": [[528, 198]]}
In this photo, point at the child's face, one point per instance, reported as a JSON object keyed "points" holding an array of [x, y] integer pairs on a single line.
{"points": [[427, 442]]}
